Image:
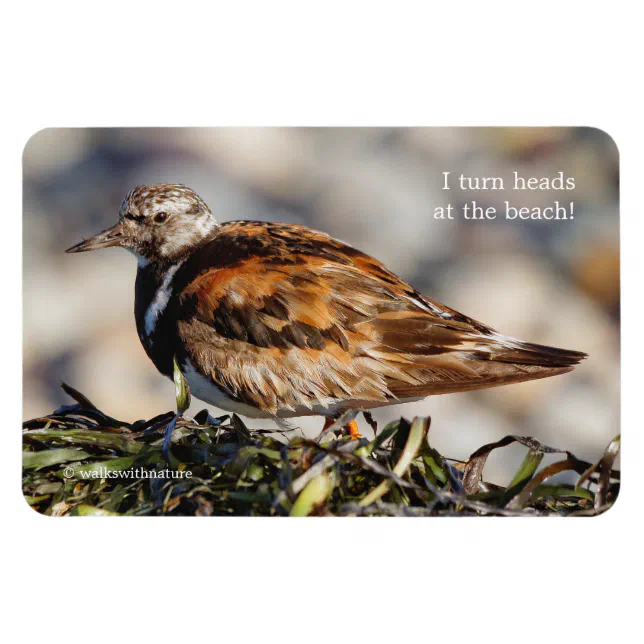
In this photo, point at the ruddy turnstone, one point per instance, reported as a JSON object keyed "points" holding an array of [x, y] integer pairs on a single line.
{"points": [[275, 321]]}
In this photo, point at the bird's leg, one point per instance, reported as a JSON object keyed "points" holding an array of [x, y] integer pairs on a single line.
{"points": [[336, 422], [353, 430], [351, 426]]}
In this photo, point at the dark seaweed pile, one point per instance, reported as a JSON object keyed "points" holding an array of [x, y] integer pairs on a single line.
{"points": [[79, 461]]}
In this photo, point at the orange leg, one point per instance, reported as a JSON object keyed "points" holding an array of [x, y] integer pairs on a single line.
{"points": [[352, 426], [353, 430]]}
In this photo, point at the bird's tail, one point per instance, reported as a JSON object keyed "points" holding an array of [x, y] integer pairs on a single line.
{"points": [[512, 351], [492, 360]]}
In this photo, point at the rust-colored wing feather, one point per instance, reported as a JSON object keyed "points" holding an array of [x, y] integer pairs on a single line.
{"points": [[288, 319]]}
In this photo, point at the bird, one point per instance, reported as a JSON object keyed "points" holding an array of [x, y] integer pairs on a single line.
{"points": [[277, 320]]}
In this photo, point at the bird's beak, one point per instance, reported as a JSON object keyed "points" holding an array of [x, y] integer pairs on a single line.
{"points": [[114, 236]]}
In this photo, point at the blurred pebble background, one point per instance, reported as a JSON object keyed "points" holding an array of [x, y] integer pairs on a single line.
{"points": [[551, 282]]}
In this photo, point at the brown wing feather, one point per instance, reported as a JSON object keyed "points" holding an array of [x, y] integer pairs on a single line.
{"points": [[284, 317]]}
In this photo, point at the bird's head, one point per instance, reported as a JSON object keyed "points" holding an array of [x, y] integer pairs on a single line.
{"points": [[160, 223]]}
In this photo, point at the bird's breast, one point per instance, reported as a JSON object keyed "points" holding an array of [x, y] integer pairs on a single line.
{"points": [[155, 323]]}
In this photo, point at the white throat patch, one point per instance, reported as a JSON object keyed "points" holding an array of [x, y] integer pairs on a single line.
{"points": [[160, 300], [141, 261]]}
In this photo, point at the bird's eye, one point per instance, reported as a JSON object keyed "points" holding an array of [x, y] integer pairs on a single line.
{"points": [[160, 217]]}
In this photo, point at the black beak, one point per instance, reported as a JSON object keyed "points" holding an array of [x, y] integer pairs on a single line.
{"points": [[114, 236]]}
